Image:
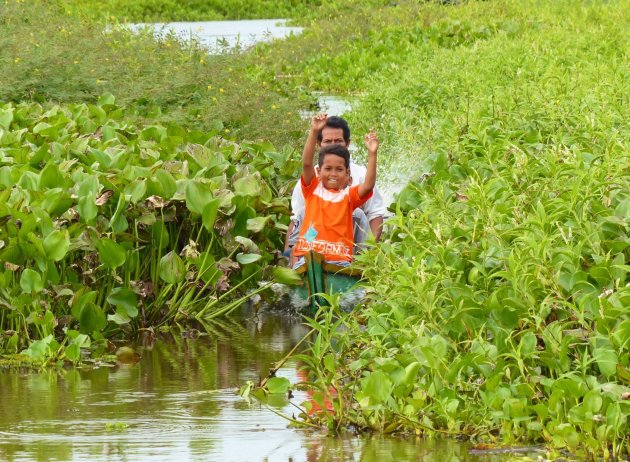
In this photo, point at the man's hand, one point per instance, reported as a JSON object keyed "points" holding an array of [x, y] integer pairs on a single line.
{"points": [[371, 142], [318, 122]]}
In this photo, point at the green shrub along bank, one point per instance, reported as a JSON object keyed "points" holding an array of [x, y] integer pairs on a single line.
{"points": [[108, 225], [500, 298]]}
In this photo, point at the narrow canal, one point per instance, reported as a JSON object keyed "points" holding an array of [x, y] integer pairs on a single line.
{"points": [[180, 402]]}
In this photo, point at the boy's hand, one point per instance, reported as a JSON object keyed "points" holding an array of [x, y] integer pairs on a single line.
{"points": [[371, 142], [318, 122]]}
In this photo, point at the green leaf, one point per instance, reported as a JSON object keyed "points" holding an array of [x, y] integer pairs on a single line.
{"points": [[107, 99], [605, 356], [73, 352], [87, 199], [124, 298], [31, 281], [249, 185], [56, 245], [111, 253], [209, 214], [50, 177], [256, 225], [136, 190], [6, 117], [278, 385], [527, 345], [154, 132], [81, 301], [91, 319], [120, 317], [377, 387], [118, 222], [411, 373], [287, 276], [198, 195], [207, 268], [593, 401], [172, 269], [247, 258], [159, 235], [169, 186]]}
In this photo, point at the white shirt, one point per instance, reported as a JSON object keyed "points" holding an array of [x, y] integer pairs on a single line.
{"points": [[373, 208]]}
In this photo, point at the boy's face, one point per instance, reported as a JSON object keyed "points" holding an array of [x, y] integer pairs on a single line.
{"points": [[332, 135], [333, 173]]}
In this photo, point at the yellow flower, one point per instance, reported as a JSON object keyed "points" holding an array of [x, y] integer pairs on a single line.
{"points": [[16, 60], [209, 87], [227, 130], [273, 106], [214, 98], [201, 61], [221, 90], [262, 110], [76, 62]]}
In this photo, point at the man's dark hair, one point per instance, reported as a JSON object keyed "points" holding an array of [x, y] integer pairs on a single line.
{"points": [[337, 122], [336, 149]]}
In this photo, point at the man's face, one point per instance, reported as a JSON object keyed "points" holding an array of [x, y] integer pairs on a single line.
{"points": [[332, 135]]}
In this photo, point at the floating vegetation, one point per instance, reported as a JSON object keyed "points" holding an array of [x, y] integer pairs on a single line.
{"points": [[108, 225]]}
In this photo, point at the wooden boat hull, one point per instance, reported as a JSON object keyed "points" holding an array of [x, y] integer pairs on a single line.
{"points": [[324, 278]]}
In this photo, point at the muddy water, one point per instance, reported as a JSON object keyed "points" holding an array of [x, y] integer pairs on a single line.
{"points": [[179, 402]]}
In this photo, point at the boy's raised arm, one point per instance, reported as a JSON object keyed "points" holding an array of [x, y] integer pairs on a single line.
{"points": [[318, 123], [371, 143]]}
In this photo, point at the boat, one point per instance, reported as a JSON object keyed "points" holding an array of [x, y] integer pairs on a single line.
{"points": [[321, 277]]}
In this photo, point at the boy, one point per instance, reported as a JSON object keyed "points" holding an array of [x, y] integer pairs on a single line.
{"points": [[327, 226]]}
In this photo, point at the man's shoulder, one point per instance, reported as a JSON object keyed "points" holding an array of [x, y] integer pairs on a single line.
{"points": [[356, 169]]}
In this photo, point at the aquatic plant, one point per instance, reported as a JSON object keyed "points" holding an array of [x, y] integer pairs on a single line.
{"points": [[498, 302], [107, 224]]}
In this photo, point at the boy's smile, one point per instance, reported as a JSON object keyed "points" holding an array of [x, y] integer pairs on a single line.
{"points": [[333, 173]]}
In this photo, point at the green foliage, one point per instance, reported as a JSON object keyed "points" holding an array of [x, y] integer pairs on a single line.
{"points": [[109, 224], [499, 298]]}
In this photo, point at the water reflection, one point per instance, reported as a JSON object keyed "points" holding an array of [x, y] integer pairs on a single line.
{"points": [[179, 402]]}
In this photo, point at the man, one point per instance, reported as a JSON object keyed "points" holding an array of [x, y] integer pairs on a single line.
{"points": [[368, 217]]}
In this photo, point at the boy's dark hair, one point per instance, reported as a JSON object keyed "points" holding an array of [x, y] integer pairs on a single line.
{"points": [[337, 122], [336, 149]]}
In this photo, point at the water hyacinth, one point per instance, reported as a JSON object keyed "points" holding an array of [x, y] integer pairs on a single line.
{"points": [[499, 298], [108, 225]]}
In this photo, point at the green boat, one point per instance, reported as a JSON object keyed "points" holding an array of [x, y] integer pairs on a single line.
{"points": [[324, 278]]}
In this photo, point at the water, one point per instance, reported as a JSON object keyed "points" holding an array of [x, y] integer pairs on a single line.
{"points": [[180, 403], [219, 36]]}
